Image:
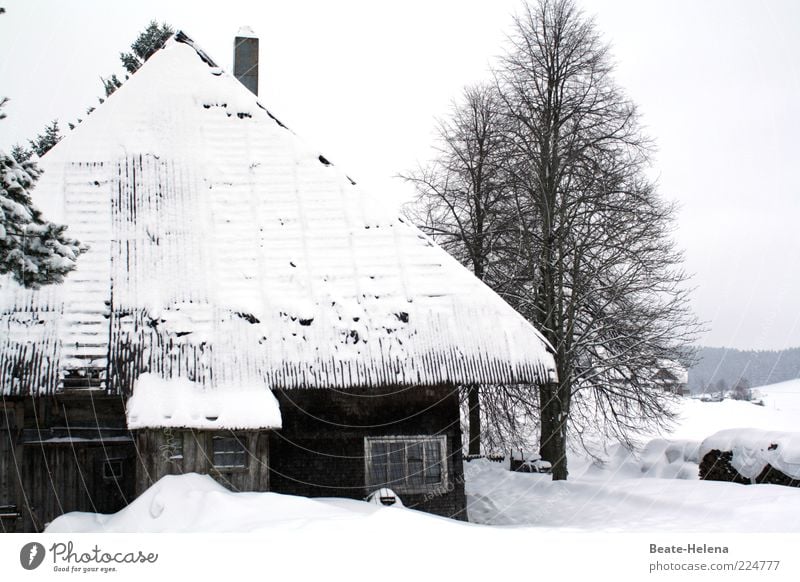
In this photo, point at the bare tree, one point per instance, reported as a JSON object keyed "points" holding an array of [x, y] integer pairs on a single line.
{"points": [[462, 199], [601, 277], [549, 203], [742, 390]]}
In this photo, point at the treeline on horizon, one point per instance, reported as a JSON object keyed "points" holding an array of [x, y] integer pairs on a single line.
{"points": [[721, 368]]}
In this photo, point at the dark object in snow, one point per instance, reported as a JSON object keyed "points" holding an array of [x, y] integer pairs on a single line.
{"points": [[384, 496], [529, 463], [180, 36], [324, 161], [716, 466], [538, 466], [248, 317], [493, 457], [272, 117]]}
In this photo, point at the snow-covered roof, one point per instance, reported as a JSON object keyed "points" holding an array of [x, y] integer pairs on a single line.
{"points": [[181, 403], [246, 32], [680, 372], [226, 251]]}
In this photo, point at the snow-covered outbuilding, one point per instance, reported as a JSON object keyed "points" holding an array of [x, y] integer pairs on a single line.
{"points": [[244, 310], [670, 376]]}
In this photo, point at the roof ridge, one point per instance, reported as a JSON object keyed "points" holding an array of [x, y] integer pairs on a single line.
{"points": [[184, 38]]}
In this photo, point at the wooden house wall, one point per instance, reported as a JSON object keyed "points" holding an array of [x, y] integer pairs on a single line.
{"points": [[319, 452], [53, 458], [176, 451], [59, 478], [9, 441]]}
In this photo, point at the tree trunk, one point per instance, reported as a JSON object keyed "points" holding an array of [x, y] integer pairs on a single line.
{"points": [[552, 437], [474, 403]]}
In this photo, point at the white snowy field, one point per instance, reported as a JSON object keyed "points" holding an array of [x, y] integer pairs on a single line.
{"points": [[655, 490]]}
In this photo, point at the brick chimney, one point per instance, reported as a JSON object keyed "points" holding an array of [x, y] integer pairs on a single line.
{"points": [[245, 58]]}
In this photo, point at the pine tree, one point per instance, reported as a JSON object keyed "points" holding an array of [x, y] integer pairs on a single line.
{"points": [[34, 251], [21, 154], [111, 84], [146, 44], [44, 141]]}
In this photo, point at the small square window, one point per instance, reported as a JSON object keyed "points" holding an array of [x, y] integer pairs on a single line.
{"points": [[406, 464], [229, 452], [112, 469]]}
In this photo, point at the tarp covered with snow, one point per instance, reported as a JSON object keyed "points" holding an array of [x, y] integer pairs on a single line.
{"points": [[754, 449], [225, 250]]}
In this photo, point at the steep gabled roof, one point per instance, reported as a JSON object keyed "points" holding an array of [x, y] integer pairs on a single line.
{"points": [[225, 250]]}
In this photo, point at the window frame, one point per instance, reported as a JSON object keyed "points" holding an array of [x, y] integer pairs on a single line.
{"points": [[407, 487], [109, 470], [242, 440]]}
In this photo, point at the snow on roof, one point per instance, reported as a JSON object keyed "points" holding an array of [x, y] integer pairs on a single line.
{"points": [[226, 251], [680, 372], [246, 32], [181, 403]]}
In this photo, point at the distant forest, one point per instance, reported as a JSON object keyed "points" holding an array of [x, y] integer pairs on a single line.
{"points": [[721, 368]]}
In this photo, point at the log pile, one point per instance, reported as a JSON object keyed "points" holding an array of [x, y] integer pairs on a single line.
{"points": [[716, 466]]}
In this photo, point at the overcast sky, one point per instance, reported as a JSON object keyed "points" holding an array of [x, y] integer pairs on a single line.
{"points": [[718, 84]]}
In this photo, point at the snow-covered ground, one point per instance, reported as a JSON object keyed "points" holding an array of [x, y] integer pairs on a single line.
{"points": [[655, 489]]}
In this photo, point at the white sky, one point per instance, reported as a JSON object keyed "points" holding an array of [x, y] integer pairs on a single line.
{"points": [[717, 82]]}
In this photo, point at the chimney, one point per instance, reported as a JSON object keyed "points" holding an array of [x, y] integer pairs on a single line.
{"points": [[245, 58]]}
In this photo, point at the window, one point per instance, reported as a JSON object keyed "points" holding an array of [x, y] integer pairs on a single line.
{"points": [[406, 464], [112, 469], [229, 452]]}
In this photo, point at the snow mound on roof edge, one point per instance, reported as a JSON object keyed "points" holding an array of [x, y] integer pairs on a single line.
{"points": [[180, 403]]}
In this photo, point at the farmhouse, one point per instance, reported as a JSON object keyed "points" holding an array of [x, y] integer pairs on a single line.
{"points": [[244, 311], [670, 376]]}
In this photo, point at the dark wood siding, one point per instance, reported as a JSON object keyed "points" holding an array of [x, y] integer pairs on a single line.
{"points": [[61, 445], [10, 515], [60, 448], [174, 452], [59, 478], [320, 450]]}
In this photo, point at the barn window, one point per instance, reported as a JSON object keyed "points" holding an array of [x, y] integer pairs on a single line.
{"points": [[406, 464], [229, 452], [112, 469]]}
